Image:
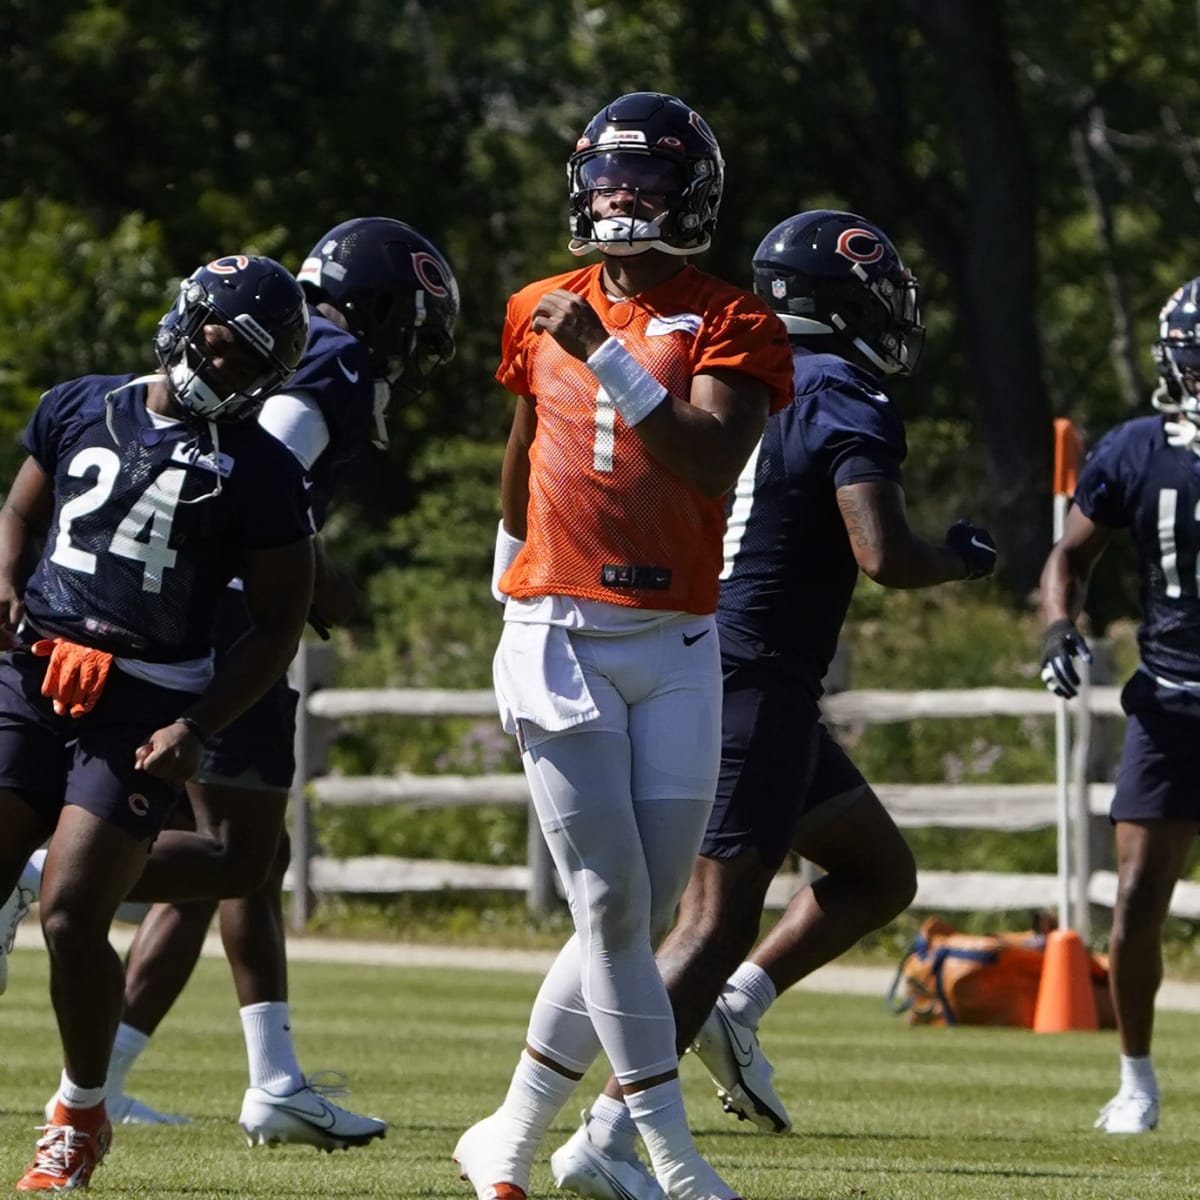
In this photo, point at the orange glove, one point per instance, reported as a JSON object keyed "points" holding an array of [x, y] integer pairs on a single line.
{"points": [[75, 675]]}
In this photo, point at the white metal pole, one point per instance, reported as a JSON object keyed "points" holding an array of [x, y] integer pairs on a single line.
{"points": [[1062, 753], [1081, 816]]}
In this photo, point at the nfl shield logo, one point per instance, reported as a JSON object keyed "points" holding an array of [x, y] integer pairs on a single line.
{"points": [[779, 288]]}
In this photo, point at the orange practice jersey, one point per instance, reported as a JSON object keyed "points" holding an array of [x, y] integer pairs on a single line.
{"points": [[606, 520]]}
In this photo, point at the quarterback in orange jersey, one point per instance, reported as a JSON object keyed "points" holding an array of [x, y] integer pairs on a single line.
{"points": [[643, 386]]}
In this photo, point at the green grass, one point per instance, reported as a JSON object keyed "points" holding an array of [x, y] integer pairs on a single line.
{"points": [[883, 1112]]}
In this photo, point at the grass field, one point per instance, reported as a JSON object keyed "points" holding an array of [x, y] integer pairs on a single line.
{"points": [[882, 1111]]}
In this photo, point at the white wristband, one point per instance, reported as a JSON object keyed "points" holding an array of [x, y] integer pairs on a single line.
{"points": [[635, 393], [507, 549]]}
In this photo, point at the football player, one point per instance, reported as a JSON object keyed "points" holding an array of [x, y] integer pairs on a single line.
{"points": [[820, 500], [383, 302], [147, 494], [642, 386], [1143, 476]]}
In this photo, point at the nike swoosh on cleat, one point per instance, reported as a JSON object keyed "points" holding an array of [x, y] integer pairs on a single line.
{"points": [[349, 374], [983, 545], [689, 641], [743, 1055], [326, 1120]]}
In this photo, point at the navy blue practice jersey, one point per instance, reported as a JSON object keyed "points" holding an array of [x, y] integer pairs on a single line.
{"points": [[789, 570], [1134, 478], [141, 542], [336, 373]]}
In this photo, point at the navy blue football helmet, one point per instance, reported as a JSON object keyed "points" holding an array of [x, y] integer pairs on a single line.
{"points": [[655, 146], [834, 273], [263, 306], [1176, 351], [398, 296]]}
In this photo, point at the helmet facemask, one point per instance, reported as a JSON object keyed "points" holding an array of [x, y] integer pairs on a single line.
{"points": [[879, 317], [896, 342], [214, 316], [406, 375], [186, 359], [662, 214], [1178, 362]]}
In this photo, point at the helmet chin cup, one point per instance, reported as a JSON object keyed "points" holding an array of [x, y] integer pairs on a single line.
{"points": [[199, 400], [623, 237], [190, 390]]}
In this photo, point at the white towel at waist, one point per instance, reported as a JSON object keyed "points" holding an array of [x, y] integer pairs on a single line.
{"points": [[538, 678]]}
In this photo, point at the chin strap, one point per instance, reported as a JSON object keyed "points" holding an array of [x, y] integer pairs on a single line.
{"points": [[1162, 399]]}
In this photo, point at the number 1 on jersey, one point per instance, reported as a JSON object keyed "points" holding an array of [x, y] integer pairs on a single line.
{"points": [[1168, 549], [606, 432]]}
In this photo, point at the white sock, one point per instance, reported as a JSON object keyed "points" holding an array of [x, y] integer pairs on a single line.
{"points": [[1137, 1075], [748, 994], [31, 876], [270, 1052], [535, 1097], [611, 1129], [74, 1096], [127, 1045], [662, 1122]]}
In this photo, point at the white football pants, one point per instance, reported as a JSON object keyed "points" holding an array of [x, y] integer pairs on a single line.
{"points": [[623, 801]]}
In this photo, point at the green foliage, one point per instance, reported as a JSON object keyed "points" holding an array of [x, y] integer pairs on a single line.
{"points": [[73, 300], [955, 636]]}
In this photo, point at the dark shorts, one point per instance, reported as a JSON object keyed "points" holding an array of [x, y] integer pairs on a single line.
{"points": [[1159, 776], [255, 751], [52, 761], [780, 766]]}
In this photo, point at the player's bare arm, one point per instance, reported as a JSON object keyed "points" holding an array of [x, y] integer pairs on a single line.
{"points": [[1069, 567], [514, 473], [885, 547], [335, 594], [23, 522], [277, 586], [706, 442]]}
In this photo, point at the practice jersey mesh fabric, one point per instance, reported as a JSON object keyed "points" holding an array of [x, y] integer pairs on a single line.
{"points": [[607, 521]]}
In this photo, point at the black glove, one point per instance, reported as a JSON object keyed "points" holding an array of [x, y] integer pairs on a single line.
{"points": [[975, 546], [1062, 644]]}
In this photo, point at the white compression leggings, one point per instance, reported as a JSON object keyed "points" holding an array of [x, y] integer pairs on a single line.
{"points": [[624, 865]]}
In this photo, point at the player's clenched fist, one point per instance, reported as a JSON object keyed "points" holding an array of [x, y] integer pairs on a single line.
{"points": [[571, 321]]}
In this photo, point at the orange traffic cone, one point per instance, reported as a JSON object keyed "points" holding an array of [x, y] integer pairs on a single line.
{"points": [[1065, 1000]]}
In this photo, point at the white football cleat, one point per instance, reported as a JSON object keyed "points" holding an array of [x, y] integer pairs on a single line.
{"points": [[580, 1166], [125, 1110], [12, 912], [489, 1169], [306, 1116], [1128, 1112], [738, 1067]]}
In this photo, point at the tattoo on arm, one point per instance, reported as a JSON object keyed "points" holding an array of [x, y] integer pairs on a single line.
{"points": [[869, 524]]}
